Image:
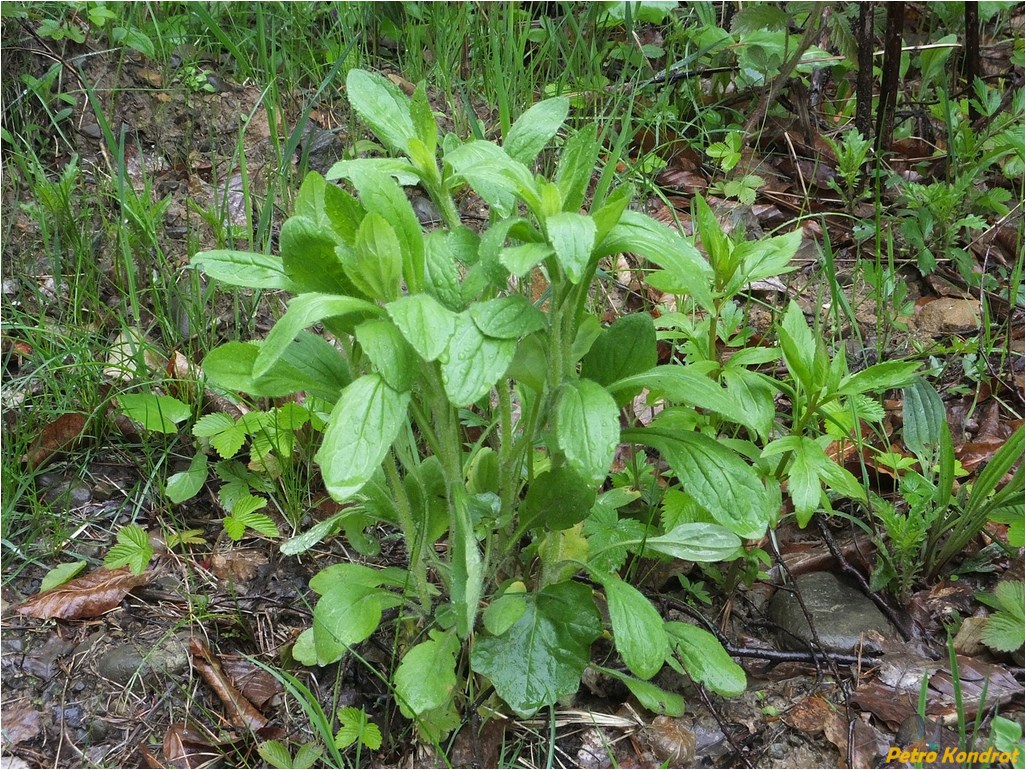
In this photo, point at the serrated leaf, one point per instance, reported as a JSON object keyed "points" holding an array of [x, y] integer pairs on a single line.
{"points": [[473, 362], [705, 659], [587, 428], [1003, 632], [158, 413], [275, 754], [637, 628], [133, 549], [360, 431], [186, 484], [226, 437], [355, 726], [534, 129], [542, 656]]}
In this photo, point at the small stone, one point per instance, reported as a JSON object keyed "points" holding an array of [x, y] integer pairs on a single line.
{"points": [[426, 211], [169, 657], [948, 315], [843, 616]]}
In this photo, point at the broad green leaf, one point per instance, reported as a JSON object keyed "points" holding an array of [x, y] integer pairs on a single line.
{"points": [[307, 539], [425, 323], [243, 268], [275, 754], [696, 542], [611, 211], [440, 273], [557, 499], [382, 196], [529, 366], [502, 613], [562, 553], [358, 574], [542, 656], [376, 265], [61, 574], [576, 167], [467, 575], [768, 257], [226, 435], [507, 317], [637, 628], [684, 271], [705, 659], [426, 677], [609, 537], [572, 237], [717, 245], [717, 479], [587, 428], [799, 348], [303, 311], [494, 175], [159, 413], [308, 254], [923, 414], [329, 207], [347, 614], [626, 347], [883, 376], [360, 431], [382, 106], [651, 697], [187, 484], [357, 171], [423, 118], [753, 396], [473, 362], [521, 258], [393, 357], [534, 129], [810, 466]]}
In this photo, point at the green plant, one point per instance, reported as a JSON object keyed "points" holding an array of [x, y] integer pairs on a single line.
{"points": [[1004, 630], [465, 410], [936, 524]]}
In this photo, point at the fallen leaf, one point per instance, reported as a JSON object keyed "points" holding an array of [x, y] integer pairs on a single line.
{"points": [[187, 748], [21, 722], [85, 597], [256, 684], [61, 434], [241, 713]]}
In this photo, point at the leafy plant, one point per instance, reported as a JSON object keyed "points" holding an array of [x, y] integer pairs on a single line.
{"points": [[1005, 630]]}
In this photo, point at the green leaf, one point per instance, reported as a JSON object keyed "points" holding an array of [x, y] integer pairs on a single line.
{"points": [[376, 265], [308, 254], [768, 257], [521, 258], [237, 524], [637, 628], [809, 467], [557, 499], [382, 196], [61, 574], [426, 677], [275, 754], [347, 614], [1004, 632], [609, 536], [717, 246], [705, 659], [753, 396], [542, 656], [243, 268], [133, 548], [357, 171], [425, 323], [684, 271], [587, 428], [352, 573], [226, 436], [651, 697], [159, 413], [303, 311], [467, 575], [382, 106], [423, 118], [440, 273], [187, 484], [355, 726], [626, 347], [717, 479], [507, 318], [393, 357], [696, 542], [473, 362], [534, 129], [799, 348], [576, 166], [884, 376], [923, 414], [494, 175], [502, 613], [572, 237], [360, 431]]}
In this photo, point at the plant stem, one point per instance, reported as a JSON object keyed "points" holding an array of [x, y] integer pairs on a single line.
{"points": [[414, 538]]}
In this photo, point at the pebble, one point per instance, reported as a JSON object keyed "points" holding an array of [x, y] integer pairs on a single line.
{"points": [[842, 614], [169, 657]]}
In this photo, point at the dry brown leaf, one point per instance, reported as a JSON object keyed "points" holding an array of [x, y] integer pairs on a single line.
{"points": [[21, 722], [241, 713], [672, 740], [85, 597], [187, 748], [61, 434], [258, 686]]}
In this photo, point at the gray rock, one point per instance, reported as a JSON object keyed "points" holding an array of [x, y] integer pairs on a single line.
{"points": [[170, 656], [843, 616]]}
